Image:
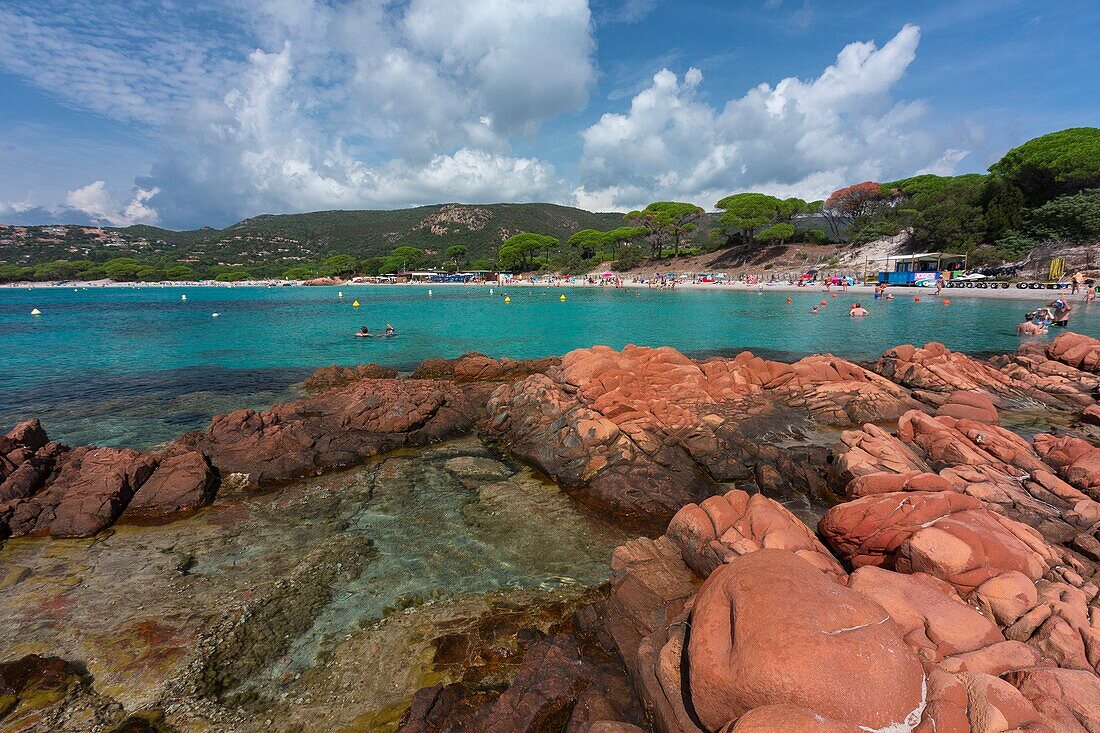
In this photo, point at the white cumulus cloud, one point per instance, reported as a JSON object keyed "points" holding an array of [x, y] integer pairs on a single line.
{"points": [[292, 105], [799, 137], [368, 105], [97, 203]]}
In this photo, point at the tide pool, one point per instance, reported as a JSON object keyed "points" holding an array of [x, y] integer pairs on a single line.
{"points": [[139, 366]]}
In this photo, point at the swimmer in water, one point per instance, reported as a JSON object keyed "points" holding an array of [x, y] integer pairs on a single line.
{"points": [[1032, 326], [364, 332], [858, 311], [389, 330], [814, 310]]}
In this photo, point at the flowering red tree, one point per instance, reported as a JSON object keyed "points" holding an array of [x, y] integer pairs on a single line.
{"points": [[853, 206]]}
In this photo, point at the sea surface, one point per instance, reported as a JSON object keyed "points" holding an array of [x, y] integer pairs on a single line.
{"points": [[140, 366]]}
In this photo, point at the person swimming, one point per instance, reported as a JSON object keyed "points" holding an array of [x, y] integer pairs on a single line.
{"points": [[858, 311], [390, 331], [814, 310], [364, 332], [1033, 325]]}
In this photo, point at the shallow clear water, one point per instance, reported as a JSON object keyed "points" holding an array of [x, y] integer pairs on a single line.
{"points": [[138, 366], [410, 536]]}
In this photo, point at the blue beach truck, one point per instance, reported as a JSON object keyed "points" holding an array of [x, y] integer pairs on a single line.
{"points": [[921, 269]]}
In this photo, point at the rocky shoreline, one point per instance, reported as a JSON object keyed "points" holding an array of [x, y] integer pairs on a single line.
{"points": [[909, 545]]}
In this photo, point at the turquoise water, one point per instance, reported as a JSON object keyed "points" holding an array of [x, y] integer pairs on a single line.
{"points": [[138, 366]]}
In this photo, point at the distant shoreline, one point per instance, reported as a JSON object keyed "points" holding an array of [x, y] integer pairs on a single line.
{"points": [[1011, 293]]}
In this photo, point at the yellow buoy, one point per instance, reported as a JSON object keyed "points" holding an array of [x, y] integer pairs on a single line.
{"points": [[507, 299], [355, 304], [562, 296]]}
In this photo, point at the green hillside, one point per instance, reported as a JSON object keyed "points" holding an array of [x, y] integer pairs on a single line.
{"points": [[269, 245], [281, 239]]}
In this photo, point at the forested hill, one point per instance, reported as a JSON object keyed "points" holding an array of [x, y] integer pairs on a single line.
{"points": [[375, 233], [270, 244]]}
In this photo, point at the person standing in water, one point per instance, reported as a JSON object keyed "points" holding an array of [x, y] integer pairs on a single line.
{"points": [[1060, 316], [858, 311]]}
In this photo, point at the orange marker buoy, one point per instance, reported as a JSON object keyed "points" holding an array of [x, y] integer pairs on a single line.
{"points": [[790, 300], [947, 301], [916, 299], [824, 302]]}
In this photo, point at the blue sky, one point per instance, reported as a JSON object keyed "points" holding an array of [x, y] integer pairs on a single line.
{"points": [[186, 113]]}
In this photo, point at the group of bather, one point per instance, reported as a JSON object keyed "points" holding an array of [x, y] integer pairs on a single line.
{"points": [[1056, 313], [364, 332]]}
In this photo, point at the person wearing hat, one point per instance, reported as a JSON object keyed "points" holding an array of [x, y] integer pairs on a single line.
{"points": [[1061, 312]]}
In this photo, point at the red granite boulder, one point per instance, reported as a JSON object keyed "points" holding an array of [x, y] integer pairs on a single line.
{"points": [[723, 527], [180, 484], [91, 488], [768, 628], [1077, 350], [927, 611], [948, 535], [475, 367], [885, 483], [331, 377], [1076, 460], [339, 427], [869, 531], [650, 586], [30, 474], [936, 368], [872, 450], [975, 406], [788, 719], [1068, 699]]}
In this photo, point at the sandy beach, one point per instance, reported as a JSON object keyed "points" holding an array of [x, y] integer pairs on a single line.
{"points": [[867, 291]]}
